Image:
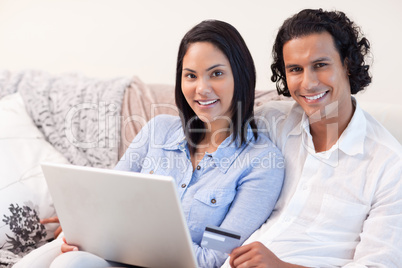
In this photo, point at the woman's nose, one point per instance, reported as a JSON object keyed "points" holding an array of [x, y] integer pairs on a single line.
{"points": [[203, 86]]}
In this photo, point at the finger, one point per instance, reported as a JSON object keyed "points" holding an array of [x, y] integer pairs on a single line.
{"points": [[244, 256], [50, 220], [67, 248], [241, 250], [243, 260], [237, 252], [57, 232]]}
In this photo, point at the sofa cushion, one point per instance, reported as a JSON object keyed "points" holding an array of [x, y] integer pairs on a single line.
{"points": [[24, 198]]}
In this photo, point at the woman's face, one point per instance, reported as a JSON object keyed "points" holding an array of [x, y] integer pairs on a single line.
{"points": [[207, 83]]}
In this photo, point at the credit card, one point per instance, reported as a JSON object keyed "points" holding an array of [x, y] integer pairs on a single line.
{"points": [[220, 239]]}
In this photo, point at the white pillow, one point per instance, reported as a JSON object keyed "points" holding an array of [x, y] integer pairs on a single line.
{"points": [[24, 197]]}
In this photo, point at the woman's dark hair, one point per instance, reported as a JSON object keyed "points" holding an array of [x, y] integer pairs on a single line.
{"points": [[347, 39], [228, 40]]}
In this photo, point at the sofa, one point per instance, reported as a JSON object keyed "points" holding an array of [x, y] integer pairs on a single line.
{"points": [[72, 118]]}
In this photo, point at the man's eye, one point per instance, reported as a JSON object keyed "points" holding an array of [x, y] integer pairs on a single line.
{"points": [[295, 69], [320, 64], [217, 73]]}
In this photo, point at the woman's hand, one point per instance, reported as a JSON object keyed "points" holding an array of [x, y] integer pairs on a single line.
{"points": [[53, 220], [66, 247]]}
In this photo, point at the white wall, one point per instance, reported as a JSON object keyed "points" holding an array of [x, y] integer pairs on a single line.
{"points": [[127, 37]]}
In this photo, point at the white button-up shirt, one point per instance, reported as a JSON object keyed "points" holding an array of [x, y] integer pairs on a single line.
{"points": [[339, 208]]}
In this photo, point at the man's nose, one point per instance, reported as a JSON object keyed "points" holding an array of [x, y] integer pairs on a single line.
{"points": [[310, 80]]}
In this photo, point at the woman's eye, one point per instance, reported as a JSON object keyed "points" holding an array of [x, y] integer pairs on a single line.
{"points": [[217, 73], [191, 76]]}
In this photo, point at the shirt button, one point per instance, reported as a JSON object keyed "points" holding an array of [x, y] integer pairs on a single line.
{"points": [[198, 167], [183, 185], [213, 201], [151, 172]]}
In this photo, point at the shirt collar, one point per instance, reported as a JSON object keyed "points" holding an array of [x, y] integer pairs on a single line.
{"points": [[176, 141], [229, 150], [223, 157], [351, 141]]}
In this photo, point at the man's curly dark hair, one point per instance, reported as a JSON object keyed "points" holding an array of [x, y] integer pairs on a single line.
{"points": [[347, 38]]}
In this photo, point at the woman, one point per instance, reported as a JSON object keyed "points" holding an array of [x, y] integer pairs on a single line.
{"points": [[226, 174]]}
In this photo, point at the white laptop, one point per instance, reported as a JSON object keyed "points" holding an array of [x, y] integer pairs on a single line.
{"points": [[121, 216]]}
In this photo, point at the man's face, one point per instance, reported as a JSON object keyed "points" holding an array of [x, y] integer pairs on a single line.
{"points": [[316, 76]]}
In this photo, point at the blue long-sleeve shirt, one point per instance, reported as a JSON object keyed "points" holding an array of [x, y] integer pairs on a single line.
{"points": [[235, 187]]}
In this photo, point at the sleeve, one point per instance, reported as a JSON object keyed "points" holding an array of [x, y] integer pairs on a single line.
{"points": [[258, 190], [381, 237], [137, 150]]}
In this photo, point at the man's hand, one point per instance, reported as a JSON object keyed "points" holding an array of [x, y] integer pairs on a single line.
{"points": [[253, 255], [256, 255], [52, 220]]}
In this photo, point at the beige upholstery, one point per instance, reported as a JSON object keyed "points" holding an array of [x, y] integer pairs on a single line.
{"points": [[389, 115], [142, 102]]}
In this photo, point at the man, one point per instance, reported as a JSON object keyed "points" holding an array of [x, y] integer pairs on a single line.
{"points": [[341, 205]]}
